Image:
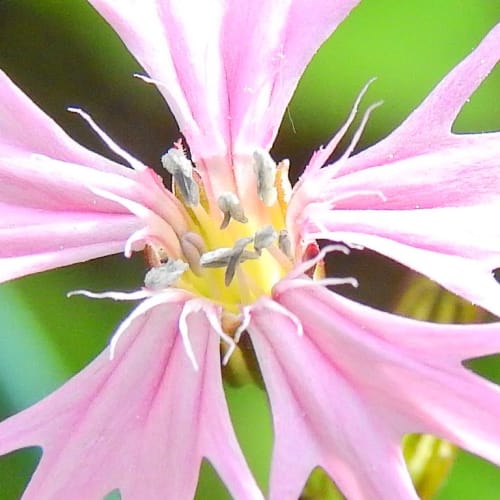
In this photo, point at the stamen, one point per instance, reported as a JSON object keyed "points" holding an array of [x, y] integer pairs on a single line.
{"points": [[263, 238], [216, 258], [229, 258], [265, 170], [165, 275], [284, 243], [181, 169], [192, 246], [230, 206], [235, 259], [220, 257], [196, 240]]}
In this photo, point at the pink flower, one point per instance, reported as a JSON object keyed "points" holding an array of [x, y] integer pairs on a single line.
{"points": [[230, 252]]}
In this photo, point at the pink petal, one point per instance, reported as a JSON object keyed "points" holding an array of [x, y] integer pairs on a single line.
{"points": [[320, 418], [424, 196], [51, 214], [141, 422], [428, 128], [18, 115], [345, 393], [457, 247], [226, 74]]}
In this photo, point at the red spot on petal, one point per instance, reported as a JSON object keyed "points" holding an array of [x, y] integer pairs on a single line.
{"points": [[311, 251]]}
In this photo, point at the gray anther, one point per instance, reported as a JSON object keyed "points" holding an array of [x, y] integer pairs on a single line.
{"points": [[284, 243], [165, 275], [265, 171], [263, 238], [176, 163], [230, 206]]}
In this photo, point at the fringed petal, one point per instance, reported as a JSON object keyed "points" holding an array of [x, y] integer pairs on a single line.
{"points": [[345, 393], [51, 214], [140, 423], [322, 419], [428, 128], [226, 74], [424, 196]]}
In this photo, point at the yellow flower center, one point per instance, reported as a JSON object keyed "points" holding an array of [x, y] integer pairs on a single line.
{"points": [[234, 250]]}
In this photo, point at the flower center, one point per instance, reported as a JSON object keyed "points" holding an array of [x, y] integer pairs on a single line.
{"points": [[235, 248]]}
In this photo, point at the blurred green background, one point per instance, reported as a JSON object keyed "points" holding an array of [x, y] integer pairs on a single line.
{"points": [[62, 54]]}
